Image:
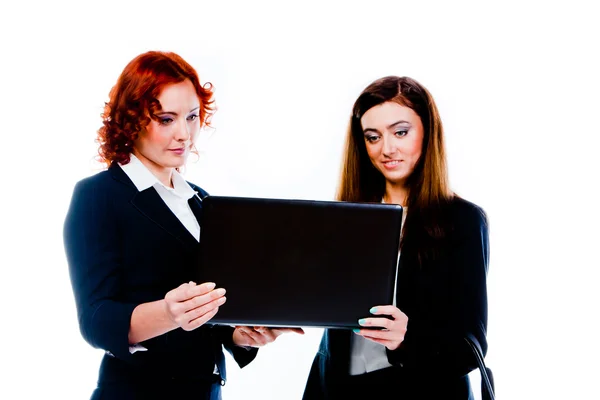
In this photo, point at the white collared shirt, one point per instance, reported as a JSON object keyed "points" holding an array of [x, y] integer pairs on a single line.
{"points": [[175, 198], [366, 355]]}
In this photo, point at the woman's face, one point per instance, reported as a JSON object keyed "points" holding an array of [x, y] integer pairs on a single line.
{"points": [[168, 138], [393, 137]]}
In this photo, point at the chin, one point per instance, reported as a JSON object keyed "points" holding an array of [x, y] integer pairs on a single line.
{"points": [[396, 179], [176, 163]]}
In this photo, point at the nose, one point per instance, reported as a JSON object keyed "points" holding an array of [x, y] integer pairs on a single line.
{"points": [[389, 145], [182, 131]]}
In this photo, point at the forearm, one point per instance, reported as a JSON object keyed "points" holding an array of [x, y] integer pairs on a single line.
{"points": [[149, 320], [439, 350]]}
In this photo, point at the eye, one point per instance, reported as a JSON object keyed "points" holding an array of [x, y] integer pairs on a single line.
{"points": [[401, 132], [165, 120], [193, 117], [372, 138]]}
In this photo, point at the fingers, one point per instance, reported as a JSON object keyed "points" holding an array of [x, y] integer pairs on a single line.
{"points": [[390, 339], [376, 322], [255, 338], [186, 291], [392, 334], [204, 309], [189, 296], [260, 335], [399, 319], [184, 319], [191, 325], [201, 300], [390, 344], [279, 330], [374, 334], [263, 330], [191, 305], [292, 330], [265, 335], [245, 340], [393, 311]]}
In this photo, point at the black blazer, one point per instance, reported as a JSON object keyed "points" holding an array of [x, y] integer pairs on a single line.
{"points": [[124, 248], [444, 300]]}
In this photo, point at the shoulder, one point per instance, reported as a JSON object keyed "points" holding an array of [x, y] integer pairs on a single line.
{"points": [[104, 185], [467, 208], [89, 197], [468, 214], [93, 182], [108, 179]]}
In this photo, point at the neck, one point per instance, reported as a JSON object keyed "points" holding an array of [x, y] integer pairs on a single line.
{"points": [[395, 194], [163, 174]]}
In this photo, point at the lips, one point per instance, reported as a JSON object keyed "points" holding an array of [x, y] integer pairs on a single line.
{"points": [[391, 164], [178, 151]]}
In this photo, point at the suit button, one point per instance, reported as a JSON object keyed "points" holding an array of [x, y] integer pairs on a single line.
{"points": [[222, 382]]}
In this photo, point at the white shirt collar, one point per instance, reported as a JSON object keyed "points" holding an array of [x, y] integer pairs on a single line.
{"points": [[180, 186], [142, 178]]}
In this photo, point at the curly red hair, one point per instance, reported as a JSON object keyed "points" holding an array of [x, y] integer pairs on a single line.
{"points": [[133, 101]]}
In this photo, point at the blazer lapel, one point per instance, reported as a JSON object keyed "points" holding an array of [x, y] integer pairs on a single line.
{"points": [[196, 207], [150, 204], [154, 208]]}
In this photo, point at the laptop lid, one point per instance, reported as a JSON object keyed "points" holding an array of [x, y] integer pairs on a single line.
{"points": [[298, 263]]}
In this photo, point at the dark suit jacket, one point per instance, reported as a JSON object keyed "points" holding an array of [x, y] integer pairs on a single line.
{"points": [[444, 300], [124, 248]]}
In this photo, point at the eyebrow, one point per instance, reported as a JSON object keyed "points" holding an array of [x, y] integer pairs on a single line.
{"points": [[388, 127], [174, 113]]}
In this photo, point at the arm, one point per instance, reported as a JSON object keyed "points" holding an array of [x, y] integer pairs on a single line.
{"points": [[188, 306], [434, 338], [91, 246], [149, 320]]}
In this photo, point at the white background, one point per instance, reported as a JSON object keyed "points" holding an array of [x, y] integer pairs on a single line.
{"points": [[517, 87]]}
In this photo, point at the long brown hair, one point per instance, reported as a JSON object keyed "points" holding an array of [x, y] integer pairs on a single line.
{"points": [[428, 185]]}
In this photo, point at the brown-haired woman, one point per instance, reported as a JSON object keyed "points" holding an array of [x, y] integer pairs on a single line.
{"points": [[132, 235], [395, 154]]}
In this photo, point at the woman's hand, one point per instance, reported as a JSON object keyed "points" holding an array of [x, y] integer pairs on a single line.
{"points": [[190, 305], [248, 336], [393, 330]]}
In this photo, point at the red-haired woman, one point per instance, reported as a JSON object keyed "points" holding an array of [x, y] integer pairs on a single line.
{"points": [[395, 154], [131, 237]]}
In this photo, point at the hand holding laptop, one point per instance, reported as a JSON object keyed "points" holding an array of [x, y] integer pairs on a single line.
{"points": [[391, 326], [191, 305], [257, 336]]}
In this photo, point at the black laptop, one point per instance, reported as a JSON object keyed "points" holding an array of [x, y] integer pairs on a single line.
{"points": [[298, 263]]}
